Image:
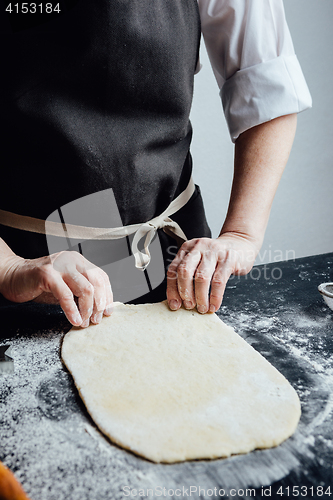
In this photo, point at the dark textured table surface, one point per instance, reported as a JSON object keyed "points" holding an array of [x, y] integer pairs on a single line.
{"points": [[55, 450]]}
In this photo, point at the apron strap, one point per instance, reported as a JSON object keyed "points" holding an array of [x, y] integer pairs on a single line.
{"points": [[145, 229]]}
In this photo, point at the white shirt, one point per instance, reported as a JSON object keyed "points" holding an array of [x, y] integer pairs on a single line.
{"points": [[253, 59]]}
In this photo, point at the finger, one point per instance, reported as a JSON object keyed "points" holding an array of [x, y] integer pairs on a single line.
{"points": [[103, 296], [174, 299], [185, 274], [55, 284], [202, 279], [96, 277], [109, 297], [183, 251], [219, 281], [84, 291]]}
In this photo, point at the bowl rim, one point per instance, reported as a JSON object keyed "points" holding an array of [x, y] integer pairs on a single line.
{"points": [[323, 291]]}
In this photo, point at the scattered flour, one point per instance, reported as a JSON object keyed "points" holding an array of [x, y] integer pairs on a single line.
{"points": [[55, 450]]}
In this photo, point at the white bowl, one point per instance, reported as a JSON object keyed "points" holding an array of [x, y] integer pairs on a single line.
{"points": [[326, 289]]}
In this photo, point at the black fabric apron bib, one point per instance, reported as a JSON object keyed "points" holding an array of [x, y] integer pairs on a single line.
{"points": [[99, 98]]}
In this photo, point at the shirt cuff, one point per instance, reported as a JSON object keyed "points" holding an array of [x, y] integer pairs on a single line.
{"points": [[263, 92]]}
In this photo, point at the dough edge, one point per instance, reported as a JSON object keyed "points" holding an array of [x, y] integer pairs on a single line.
{"points": [[162, 457]]}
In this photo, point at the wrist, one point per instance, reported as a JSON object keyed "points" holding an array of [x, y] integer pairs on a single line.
{"points": [[247, 219], [254, 239]]}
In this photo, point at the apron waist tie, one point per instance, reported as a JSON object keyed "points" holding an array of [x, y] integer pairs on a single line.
{"points": [[146, 229]]}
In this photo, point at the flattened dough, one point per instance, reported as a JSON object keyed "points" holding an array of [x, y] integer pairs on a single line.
{"points": [[173, 386]]}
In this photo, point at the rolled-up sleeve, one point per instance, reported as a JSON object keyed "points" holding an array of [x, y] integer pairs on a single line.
{"points": [[253, 59]]}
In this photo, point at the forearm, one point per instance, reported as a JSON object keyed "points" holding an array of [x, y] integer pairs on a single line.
{"points": [[261, 154]]}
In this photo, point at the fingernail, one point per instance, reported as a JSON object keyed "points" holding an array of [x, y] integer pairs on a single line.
{"points": [[109, 310], [212, 309], [85, 323], [97, 318], [174, 305], [77, 319], [187, 304], [202, 309]]}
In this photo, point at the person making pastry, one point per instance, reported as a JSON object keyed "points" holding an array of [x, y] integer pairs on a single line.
{"points": [[99, 99]]}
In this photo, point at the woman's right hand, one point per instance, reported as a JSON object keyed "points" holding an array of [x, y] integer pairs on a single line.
{"points": [[82, 289]]}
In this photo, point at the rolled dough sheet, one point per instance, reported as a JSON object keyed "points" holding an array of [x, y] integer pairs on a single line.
{"points": [[173, 386]]}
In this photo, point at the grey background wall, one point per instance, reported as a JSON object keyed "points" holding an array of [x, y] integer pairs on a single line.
{"points": [[301, 221]]}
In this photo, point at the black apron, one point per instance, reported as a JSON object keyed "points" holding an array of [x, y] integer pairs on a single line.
{"points": [[99, 98]]}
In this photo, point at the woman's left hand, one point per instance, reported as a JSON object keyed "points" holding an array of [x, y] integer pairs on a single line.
{"points": [[202, 263]]}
